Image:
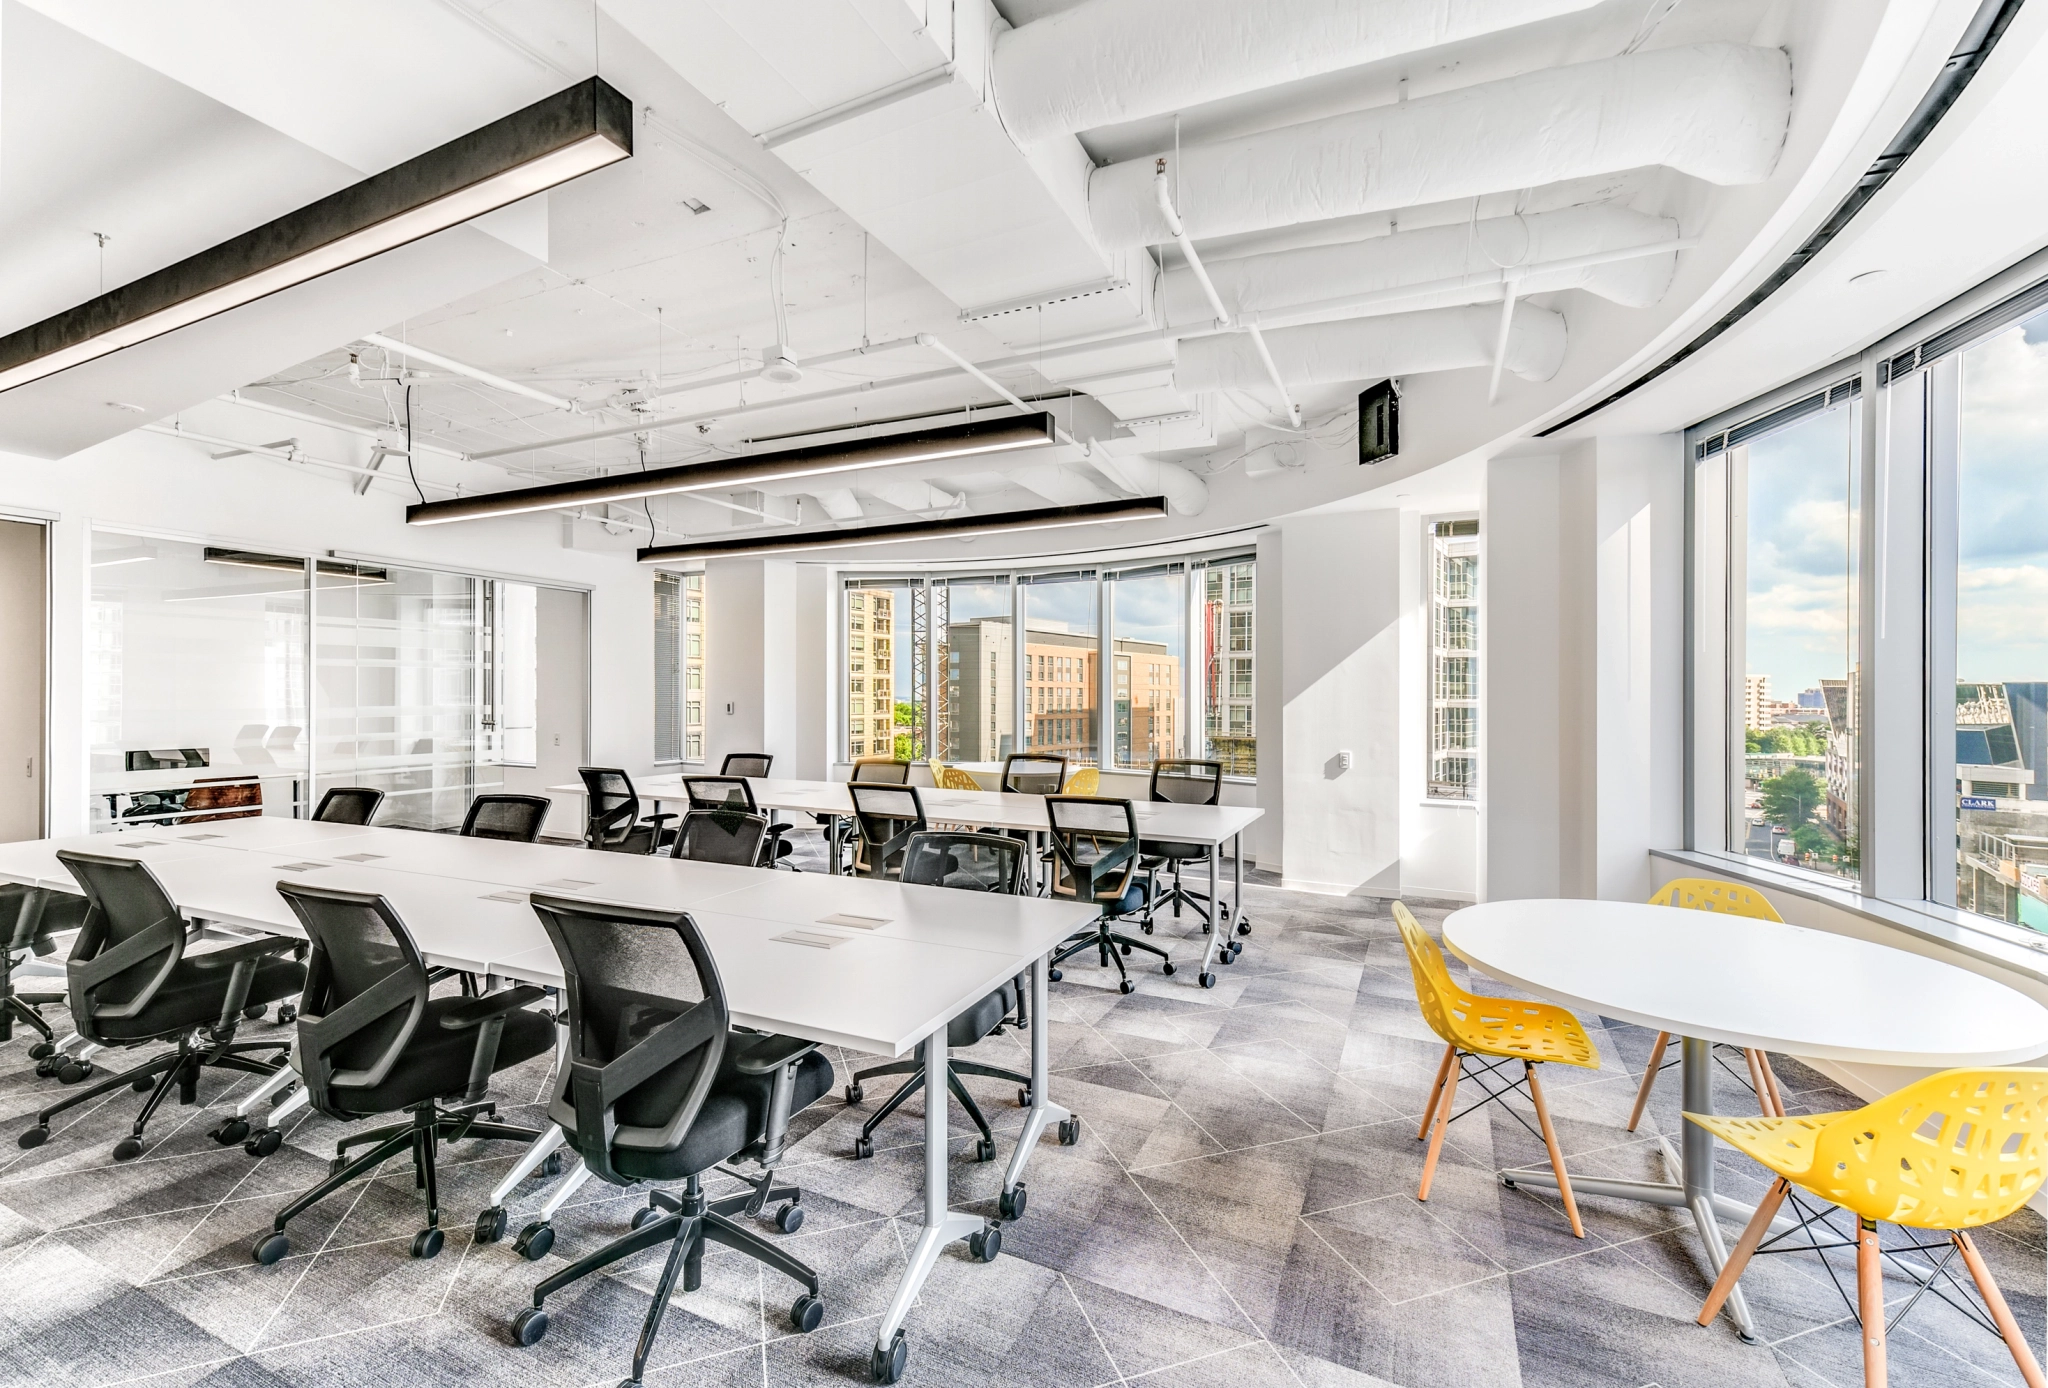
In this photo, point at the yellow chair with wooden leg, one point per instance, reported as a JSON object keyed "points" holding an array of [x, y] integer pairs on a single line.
{"points": [[1499, 1030], [1730, 899], [1949, 1153], [1086, 781]]}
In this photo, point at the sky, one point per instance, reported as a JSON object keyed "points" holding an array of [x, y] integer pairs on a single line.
{"points": [[1800, 597], [2002, 508]]}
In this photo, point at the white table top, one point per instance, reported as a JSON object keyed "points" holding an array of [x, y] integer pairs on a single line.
{"points": [[1748, 982], [930, 955]]}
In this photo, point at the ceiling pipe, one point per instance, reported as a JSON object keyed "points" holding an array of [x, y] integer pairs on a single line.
{"points": [[282, 455], [475, 373], [1716, 111], [1370, 349], [1163, 194], [1107, 61]]}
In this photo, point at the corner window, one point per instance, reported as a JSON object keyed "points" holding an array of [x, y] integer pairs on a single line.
{"points": [[1454, 660]]}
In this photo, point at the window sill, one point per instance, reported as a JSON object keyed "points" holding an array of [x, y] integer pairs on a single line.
{"points": [[1432, 802], [1972, 936]]}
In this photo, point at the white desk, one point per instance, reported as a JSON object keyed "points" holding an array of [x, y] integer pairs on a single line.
{"points": [[1709, 977], [883, 990]]}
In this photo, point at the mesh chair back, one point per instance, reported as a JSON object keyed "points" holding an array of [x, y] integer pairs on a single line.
{"points": [[1183, 782], [720, 793], [647, 1026], [127, 910], [721, 836], [746, 764], [879, 771], [29, 916], [1094, 844], [365, 993], [1024, 774], [972, 862], [348, 805], [611, 803], [886, 817], [516, 818]]}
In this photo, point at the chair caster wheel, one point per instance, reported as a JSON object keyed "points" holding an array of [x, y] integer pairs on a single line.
{"points": [[337, 1163], [426, 1243], [550, 1166], [1126, 986], [128, 1149], [229, 1133], [806, 1314], [254, 1013], [1126, 950], [490, 1225], [1208, 979], [1146, 927], [41, 1051], [862, 1149], [1244, 927], [1070, 1131], [789, 1219], [534, 1241], [985, 1150], [270, 1247], [1053, 975], [143, 1085], [1507, 1183], [1167, 968], [644, 1214], [264, 1143], [529, 1325], [1023, 1098], [72, 1071], [854, 1094], [287, 1014], [34, 1137], [886, 1365], [984, 1244], [1012, 1202]]}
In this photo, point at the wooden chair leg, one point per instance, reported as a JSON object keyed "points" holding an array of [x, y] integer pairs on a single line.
{"points": [[1564, 1185], [1441, 1121], [1649, 1078], [1756, 1081], [1870, 1302], [2001, 1314], [1763, 1060], [1436, 1090], [1731, 1271]]}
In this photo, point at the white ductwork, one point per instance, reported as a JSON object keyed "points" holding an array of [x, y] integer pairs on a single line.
{"points": [[839, 503], [1058, 483], [1185, 493], [1117, 60], [1717, 111], [1369, 349], [1283, 280]]}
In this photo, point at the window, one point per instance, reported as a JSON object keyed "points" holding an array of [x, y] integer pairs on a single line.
{"points": [[678, 667], [1227, 609], [1148, 624], [1454, 660], [880, 616], [1059, 621], [510, 672]]}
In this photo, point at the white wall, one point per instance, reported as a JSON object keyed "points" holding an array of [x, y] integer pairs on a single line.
{"points": [[561, 709]]}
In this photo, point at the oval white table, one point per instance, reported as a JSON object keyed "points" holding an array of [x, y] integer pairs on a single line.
{"points": [[1709, 977]]}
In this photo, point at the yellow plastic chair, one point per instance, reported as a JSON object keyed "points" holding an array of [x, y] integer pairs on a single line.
{"points": [[953, 778], [1730, 899], [1086, 781], [1502, 1030], [1952, 1152]]}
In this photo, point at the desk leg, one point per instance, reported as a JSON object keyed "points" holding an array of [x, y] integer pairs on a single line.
{"points": [[1043, 1110], [1216, 934], [941, 1224], [832, 844], [1238, 922]]}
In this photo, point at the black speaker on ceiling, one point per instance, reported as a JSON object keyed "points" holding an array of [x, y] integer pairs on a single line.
{"points": [[1379, 422]]}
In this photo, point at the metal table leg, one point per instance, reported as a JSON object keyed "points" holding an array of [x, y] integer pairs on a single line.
{"points": [[1216, 933], [832, 844], [1043, 1109], [1238, 924], [941, 1224]]}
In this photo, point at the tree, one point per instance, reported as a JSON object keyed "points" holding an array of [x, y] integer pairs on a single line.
{"points": [[1790, 800], [1794, 741], [906, 714]]}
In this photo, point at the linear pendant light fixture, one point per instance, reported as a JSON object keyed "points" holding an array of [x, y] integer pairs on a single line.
{"points": [[902, 532], [562, 137], [925, 445]]}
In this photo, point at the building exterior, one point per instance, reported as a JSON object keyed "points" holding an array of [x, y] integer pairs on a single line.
{"points": [[870, 672], [976, 675], [1061, 691], [1841, 755], [1756, 692], [1147, 686], [1227, 664]]}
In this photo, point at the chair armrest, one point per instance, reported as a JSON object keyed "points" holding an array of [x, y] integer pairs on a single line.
{"points": [[657, 818], [477, 1011], [247, 949], [768, 1053], [777, 1055]]}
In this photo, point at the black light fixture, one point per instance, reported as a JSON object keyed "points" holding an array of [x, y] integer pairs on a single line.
{"points": [[582, 128], [925, 445], [901, 532]]}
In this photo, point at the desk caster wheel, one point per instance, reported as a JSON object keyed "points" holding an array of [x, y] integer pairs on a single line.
{"points": [[264, 1143], [1054, 975], [490, 1225], [984, 1244], [534, 1241], [1208, 979], [128, 1149], [854, 1094], [1167, 968], [1023, 1098], [34, 1137], [72, 1071], [644, 1214], [886, 1365], [426, 1243], [1507, 1183], [863, 1148], [529, 1325], [1012, 1202], [985, 1149], [229, 1133], [790, 1217], [1070, 1131], [42, 1050], [806, 1314]]}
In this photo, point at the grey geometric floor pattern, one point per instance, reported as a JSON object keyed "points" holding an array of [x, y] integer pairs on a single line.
{"points": [[1240, 1210]]}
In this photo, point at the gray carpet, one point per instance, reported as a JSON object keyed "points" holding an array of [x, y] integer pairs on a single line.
{"points": [[1240, 1210]]}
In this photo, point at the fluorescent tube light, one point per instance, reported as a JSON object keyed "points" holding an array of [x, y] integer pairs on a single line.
{"points": [[955, 527], [949, 441], [562, 137]]}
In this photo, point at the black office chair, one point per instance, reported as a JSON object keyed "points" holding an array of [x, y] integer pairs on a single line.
{"points": [[131, 981], [975, 863], [614, 823], [884, 818], [371, 1041], [348, 805], [746, 764], [657, 1088], [723, 835], [1181, 781], [733, 793], [881, 771], [1025, 773], [1095, 858], [514, 818], [36, 915]]}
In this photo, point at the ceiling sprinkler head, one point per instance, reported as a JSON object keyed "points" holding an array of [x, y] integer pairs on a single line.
{"points": [[779, 366]]}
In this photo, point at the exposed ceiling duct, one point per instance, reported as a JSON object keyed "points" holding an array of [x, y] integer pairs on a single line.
{"points": [[1481, 252], [1107, 61], [1186, 493], [1717, 111], [1369, 349]]}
